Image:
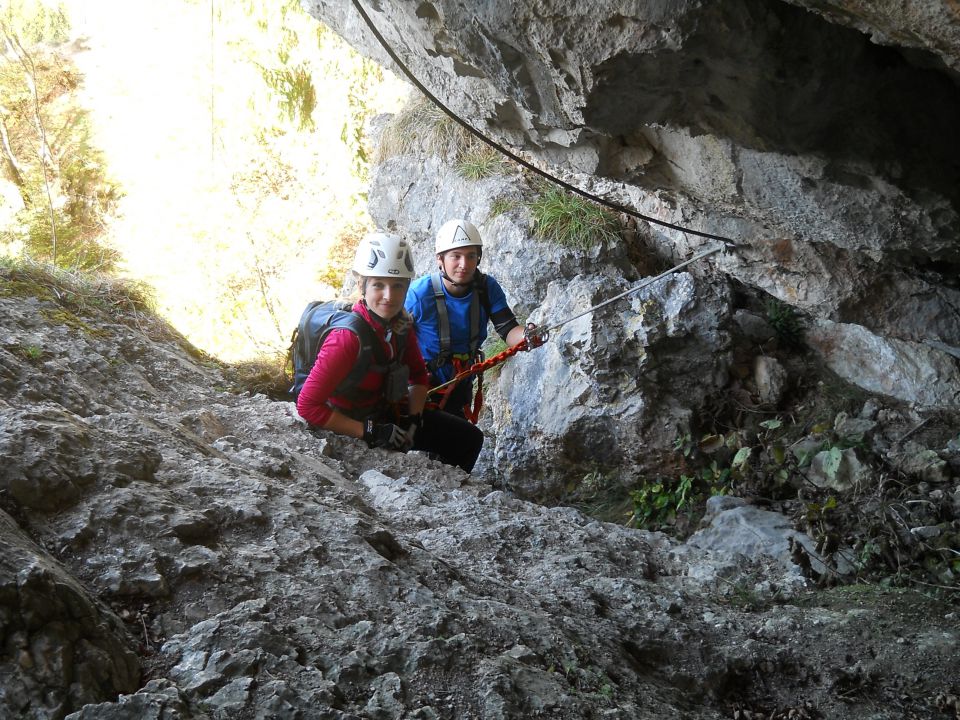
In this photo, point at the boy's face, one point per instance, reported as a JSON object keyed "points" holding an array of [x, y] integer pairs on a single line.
{"points": [[460, 264]]}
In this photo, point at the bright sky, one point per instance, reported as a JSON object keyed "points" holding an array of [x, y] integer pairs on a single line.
{"points": [[170, 107], [148, 83]]}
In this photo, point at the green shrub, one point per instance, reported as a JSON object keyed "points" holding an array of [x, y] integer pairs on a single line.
{"points": [[657, 503], [481, 161], [785, 323], [572, 221]]}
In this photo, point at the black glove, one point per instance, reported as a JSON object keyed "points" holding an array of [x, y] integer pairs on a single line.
{"points": [[410, 424], [534, 337], [384, 435]]}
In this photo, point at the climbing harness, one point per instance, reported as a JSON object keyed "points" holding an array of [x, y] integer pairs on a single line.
{"points": [[477, 299], [480, 367]]}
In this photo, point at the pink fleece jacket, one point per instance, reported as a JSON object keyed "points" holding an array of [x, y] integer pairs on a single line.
{"points": [[337, 355]]}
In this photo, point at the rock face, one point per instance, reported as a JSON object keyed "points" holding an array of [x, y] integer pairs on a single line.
{"points": [[62, 647], [818, 136], [610, 389], [255, 568], [791, 130], [174, 550]]}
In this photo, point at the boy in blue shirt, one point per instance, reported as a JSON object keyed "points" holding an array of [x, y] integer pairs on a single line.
{"points": [[451, 309]]}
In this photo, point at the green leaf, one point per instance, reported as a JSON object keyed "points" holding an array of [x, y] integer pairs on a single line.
{"points": [[779, 454], [710, 443], [771, 424], [832, 463], [743, 454]]}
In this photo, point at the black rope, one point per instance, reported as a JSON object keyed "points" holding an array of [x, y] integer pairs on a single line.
{"points": [[516, 158]]}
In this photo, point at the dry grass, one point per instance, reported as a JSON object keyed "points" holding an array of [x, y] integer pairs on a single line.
{"points": [[420, 126], [479, 160], [267, 375], [120, 297]]}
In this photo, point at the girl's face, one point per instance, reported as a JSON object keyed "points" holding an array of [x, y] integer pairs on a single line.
{"points": [[384, 295]]}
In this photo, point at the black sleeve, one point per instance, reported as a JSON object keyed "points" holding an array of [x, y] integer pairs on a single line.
{"points": [[504, 321]]}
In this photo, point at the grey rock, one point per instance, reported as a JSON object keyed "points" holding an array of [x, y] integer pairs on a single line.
{"points": [[770, 378], [63, 648], [839, 470]]}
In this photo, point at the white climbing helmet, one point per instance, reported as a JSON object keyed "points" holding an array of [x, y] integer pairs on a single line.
{"points": [[382, 255], [457, 234]]}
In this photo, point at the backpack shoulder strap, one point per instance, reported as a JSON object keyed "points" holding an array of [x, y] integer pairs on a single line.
{"points": [[443, 320], [481, 298], [370, 349], [482, 288]]}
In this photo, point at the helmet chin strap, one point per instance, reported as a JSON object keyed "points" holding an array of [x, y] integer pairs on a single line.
{"points": [[443, 274]]}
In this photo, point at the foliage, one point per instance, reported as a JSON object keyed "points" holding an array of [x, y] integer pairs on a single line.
{"points": [[297, 96], [494, 346], [365, 81], [864, 527], [785, 323], [65, 190], [35, 22], [571, 220], [421, 126], [479, 161], [341, 253], [656, 503], [31, 352], [266, 221], [502, 205]]}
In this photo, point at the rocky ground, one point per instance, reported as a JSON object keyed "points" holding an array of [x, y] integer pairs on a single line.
{"points": [[175, 549]]}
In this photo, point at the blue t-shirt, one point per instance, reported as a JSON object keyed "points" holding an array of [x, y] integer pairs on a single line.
{"points": [[421, 304]]}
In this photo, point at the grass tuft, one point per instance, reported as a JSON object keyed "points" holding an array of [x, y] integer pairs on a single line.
{"points": [[79, 290], [421, 126], [572, 221], [266, 375], [479, 161]]}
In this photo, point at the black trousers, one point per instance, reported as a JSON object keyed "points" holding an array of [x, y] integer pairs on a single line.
{"points": [[461, 395], [455, 440]]}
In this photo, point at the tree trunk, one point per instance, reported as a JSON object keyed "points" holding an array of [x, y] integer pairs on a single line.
{"points": [[11, 167]]}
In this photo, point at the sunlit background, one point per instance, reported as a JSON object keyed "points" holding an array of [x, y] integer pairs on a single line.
{"points": [[235, 134]]}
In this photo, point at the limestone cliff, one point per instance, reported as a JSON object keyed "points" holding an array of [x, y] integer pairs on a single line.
{"points": [[818, 136]]}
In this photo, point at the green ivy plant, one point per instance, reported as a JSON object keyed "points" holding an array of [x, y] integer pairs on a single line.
{"points": [[657, 503]]}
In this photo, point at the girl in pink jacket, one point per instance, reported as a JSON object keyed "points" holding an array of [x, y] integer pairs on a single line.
{"points": [[386, 407]]}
